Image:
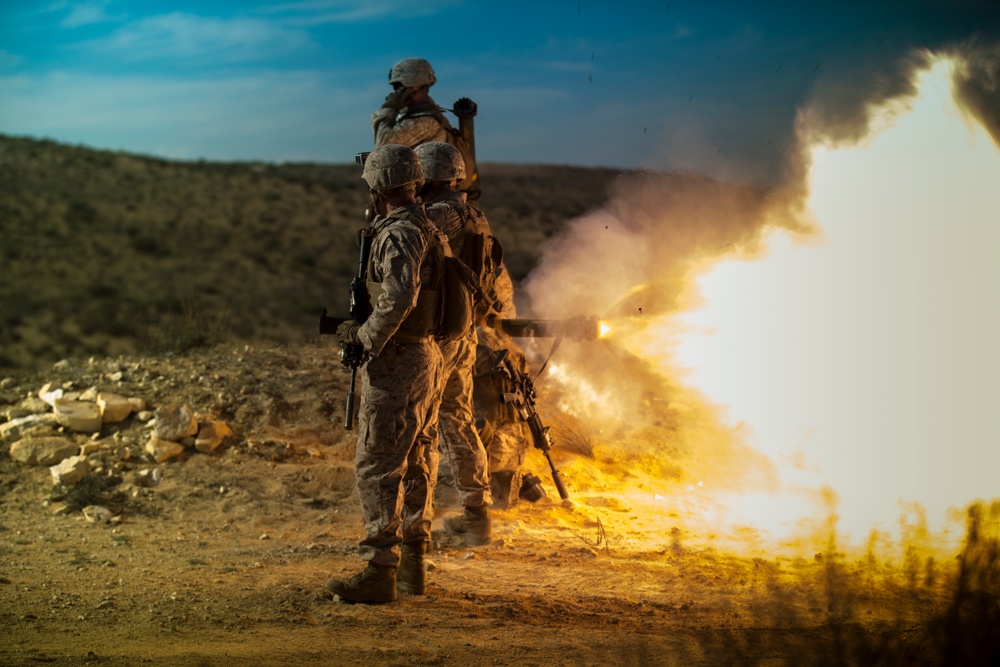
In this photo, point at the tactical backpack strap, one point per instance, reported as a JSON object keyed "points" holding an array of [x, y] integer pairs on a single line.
{"points": [[422, 320]]}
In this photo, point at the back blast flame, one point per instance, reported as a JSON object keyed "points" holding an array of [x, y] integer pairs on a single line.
{"points": [[684, 459]]}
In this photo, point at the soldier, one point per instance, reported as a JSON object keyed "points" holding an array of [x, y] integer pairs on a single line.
{"points": [[503, 433], [449, 211], [409, 116], [402, 368]]}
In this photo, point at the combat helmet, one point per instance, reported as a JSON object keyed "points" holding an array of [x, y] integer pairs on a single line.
{"points": [[412, 72], [392, 166], [441, 161]]}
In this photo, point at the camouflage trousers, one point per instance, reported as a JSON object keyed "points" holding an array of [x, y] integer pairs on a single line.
{"points": [[459, 439], [506, 451], [394, 477]]}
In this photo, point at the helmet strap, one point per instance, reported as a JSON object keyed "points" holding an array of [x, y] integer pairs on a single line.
{"points": [[378, 201]]}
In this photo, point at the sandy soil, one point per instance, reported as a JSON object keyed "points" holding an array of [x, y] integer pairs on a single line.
{"points": [[223, 561]]}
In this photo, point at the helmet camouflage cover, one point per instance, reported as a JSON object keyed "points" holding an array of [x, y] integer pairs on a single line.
{"points": [[392, 166], [412, 72], [441, 161]]}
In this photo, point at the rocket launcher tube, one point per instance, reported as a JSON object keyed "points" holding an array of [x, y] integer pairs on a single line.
{"points": [[577, 328]]}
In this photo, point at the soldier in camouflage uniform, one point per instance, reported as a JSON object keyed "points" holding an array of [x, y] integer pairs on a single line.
{"points": [[402, 368], [409, 116], [503, 433], [449, 211]]}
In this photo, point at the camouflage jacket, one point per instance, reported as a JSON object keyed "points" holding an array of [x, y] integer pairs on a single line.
{"points": [[397, 265]]}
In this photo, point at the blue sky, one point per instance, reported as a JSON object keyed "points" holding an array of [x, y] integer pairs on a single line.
{"points": [[707, 86]]}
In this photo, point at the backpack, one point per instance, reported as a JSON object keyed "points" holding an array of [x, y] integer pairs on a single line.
{"points": [[482, 253], [445, 305], [459, 286]]}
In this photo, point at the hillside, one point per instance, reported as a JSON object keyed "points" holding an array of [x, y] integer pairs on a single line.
{"points": [[107, 253]]}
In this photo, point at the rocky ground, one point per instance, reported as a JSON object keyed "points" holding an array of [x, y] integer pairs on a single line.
{"points": [[218, 556]]}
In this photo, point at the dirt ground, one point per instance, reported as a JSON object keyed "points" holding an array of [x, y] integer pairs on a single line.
{"points": [[222, 562]]}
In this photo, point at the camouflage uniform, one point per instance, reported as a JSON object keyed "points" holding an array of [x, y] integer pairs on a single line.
{"points": [[393, 472], [458, 436], [504, 435], [410, 126]]}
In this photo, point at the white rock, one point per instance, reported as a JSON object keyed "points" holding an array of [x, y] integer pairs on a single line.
{"points": [[18, 428], [149, 477], [114, 408], [90, 447], [97, 514], [43, 451], [70, 471], [138, 404], [50, 393], [163, 450], [80, 416], [175, 422]]}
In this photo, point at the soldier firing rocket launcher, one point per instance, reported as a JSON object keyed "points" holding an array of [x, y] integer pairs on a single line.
{"points": [[577, 328]]}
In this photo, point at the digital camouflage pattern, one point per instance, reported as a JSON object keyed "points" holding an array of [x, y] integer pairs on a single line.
{"points": [[448, 213], [458, 437], [393, 470], [505, 436], [456, 424], [397, 397], [410, 126], [397, 266]]}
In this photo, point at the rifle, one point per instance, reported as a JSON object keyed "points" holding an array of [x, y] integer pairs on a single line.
{"points": [[328, 325], [353, 355], [523, 401]]}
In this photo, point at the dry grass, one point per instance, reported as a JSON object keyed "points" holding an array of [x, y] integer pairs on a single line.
{"points": [[106, 253]]}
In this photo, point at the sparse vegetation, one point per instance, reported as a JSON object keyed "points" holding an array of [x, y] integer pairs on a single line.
{"points": [[106, 253]]}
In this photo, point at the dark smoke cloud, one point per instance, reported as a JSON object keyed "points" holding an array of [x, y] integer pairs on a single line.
{"points": [[836, 62], [977, 85]]}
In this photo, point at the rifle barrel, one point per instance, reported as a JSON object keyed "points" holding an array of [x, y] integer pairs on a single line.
{"points": [[557, 479], [349, 411]]}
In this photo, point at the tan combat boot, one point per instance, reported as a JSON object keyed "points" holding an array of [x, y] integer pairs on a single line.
{"points": [[411, 577], [473, 526], [373, 585]]}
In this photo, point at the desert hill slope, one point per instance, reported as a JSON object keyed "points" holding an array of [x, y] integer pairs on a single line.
{"points": [[108, 253]]}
